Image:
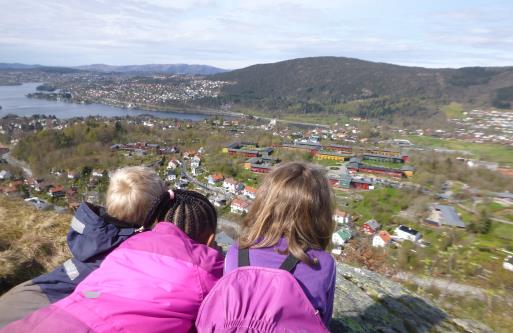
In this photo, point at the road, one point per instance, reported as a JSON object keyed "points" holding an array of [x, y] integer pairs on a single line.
{"points": [[23, 165], [495, 219], [192, 179], [291, 122]]}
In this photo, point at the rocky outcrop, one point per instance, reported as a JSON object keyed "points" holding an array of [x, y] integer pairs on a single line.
{"points": [[368, 302]]}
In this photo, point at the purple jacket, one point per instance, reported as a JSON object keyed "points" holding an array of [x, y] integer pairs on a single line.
{"points": [[153, 282], [318, 283]]}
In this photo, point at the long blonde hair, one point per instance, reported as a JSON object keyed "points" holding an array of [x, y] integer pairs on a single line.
{"points": [[295, 201]]}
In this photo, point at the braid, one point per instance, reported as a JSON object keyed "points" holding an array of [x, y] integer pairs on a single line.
{"points": [[193, 213]]}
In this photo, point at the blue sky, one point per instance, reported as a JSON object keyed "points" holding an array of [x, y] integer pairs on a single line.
{"points": [[234, 34]]}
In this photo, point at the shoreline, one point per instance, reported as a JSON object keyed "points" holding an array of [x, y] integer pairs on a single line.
{"points": [[149, 108]]}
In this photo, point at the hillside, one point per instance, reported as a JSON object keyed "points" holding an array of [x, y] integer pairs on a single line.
{"points": [[31, 242], [363, 88]]}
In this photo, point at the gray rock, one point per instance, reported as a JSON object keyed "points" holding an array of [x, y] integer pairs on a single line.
{"points": [[368, 302]]}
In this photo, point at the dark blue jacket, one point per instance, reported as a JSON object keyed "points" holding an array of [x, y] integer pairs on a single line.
{"points": [[92, 236]]}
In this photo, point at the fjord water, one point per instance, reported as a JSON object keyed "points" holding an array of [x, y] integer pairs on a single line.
{"points": [[14, 101]]}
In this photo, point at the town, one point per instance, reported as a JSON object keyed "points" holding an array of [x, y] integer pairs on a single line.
{"points": [[405, 208], [383, 203]]}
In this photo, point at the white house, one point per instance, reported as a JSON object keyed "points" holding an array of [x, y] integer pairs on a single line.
{"points": [[195, 162], [508, 263], [382, 239], [406, 233], [239, 206], [173, 164], [250, 192], [232, 185], [342, 217], [341, 237]]}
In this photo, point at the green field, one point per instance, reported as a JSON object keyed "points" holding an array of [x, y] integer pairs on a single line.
{"points": [[484, 151], [453, 110]]}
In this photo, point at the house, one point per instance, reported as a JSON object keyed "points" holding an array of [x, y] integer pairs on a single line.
{"points": [[371, 227], [444, 215], [5, 175], [173, 164], [188, 154], [232, 185], [56, 191], [332, 155], [508, 263], [239, 206], [250, 192], [195, 161], [341, 237], [170, 176], [382, 239], [215, 178], [406, 233], [342, 217]]}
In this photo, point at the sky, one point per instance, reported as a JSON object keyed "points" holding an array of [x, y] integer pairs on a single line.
{"points": [[234, 34]]}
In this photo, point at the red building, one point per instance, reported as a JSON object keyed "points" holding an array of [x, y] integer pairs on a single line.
{"points": [[371, 227]]}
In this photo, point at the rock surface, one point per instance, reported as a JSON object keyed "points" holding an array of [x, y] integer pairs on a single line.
{"points": [[368, 302]]}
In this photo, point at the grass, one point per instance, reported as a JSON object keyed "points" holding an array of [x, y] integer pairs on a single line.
{"points": [[381, 204], [495, 313], [484, 151], [327, 163], [453, 110], [32, 241], [383, 164]]}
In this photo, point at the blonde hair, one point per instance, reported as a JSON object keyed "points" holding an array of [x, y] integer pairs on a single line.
{"points": [[132, 193], [295, 201]]}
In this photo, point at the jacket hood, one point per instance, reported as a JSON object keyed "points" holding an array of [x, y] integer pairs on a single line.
{"points": [[93, 232]]}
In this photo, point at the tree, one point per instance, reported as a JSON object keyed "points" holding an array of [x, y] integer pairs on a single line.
{"points": [[482, 223]]}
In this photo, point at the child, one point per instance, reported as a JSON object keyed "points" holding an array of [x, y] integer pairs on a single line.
{"points": [[94, 232], [292, 215], [153, 282]]}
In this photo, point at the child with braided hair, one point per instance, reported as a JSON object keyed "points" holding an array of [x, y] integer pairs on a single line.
{"points": [[153, 282]]}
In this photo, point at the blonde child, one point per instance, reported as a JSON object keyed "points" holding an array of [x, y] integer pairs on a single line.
{"points": [[94, 232], [153, 282]]}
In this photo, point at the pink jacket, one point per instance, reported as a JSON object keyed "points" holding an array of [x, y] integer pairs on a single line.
{"points": [[153, 282]]}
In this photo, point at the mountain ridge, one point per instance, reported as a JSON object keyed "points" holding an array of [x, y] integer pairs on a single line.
{"points": [[193, 69], [316, 84]]}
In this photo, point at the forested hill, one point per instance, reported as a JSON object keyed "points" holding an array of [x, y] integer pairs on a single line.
{"points": [[345, 84]]}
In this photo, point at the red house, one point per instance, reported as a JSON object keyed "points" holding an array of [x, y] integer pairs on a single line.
{"points": [[371, 227]]}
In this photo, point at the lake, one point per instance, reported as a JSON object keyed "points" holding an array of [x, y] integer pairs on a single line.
{"points": [[13, 100]]}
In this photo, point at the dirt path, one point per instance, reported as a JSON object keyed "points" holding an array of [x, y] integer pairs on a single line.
{"points": [[24, 166]]}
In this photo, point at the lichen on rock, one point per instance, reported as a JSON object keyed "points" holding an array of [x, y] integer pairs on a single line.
{"points": [[369, 302]]}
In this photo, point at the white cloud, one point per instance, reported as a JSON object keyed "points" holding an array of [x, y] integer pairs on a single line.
{"points": [[233, 33]]}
